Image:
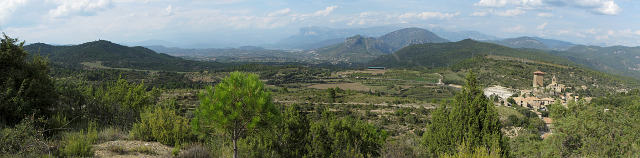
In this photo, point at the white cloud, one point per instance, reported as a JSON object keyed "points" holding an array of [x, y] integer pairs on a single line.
{"points": [[515, 29], [478, 14], [428, 15], [605, 7], [510, 12], [80, 7], [7, 7], [170, 10], [502, 3], [542, 26], [608, 8], [281, 12], [546, 15], [326, 11], [491, 3]]}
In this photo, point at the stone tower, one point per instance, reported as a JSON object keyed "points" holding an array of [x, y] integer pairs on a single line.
{"points": [[538, 77]]}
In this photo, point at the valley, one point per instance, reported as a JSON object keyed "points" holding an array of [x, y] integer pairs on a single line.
{"points": [[394, 89]]}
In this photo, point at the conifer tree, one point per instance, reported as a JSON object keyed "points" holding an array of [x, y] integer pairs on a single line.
{"points": [[470, 119], [239, 105]]}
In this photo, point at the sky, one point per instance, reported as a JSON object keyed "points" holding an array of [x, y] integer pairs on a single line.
{"points": [[252, 22]]}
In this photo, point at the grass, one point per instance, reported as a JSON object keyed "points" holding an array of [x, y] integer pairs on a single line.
{"points": [[505, 111], [117, 149], [145, 150]]}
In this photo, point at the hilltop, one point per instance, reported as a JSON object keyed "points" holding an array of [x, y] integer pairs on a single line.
{"points": [[117, 56], [408, 36], [445, 54], [354, 49]]}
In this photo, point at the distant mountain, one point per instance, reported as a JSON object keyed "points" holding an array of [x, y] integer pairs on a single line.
{"points": [[534, 43], [408, 36], [521, 42], [444, 54], [354, 49], [462, 35], [555, 44], [617, 59], [117, 56], [310, 36]]}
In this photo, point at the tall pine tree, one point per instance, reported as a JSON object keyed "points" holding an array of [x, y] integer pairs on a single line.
{"points": [[470, 119]]}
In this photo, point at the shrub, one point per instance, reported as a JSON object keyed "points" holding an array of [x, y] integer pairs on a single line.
{"points": [[21, 140], [111, 134], [80, 143], [117, 149], [161, 124], [145, 150], [195, 151]]}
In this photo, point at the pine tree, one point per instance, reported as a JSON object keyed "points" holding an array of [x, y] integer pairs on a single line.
{"points": [[471, 119], [240, 104]]}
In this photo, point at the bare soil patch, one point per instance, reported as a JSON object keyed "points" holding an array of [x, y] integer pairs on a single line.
{"points": [[131, 148]]}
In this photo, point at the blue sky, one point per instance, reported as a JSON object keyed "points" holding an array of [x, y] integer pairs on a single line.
{"points": [[610, 22]]}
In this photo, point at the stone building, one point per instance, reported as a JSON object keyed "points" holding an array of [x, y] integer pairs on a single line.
{"points": [[538, 79]]}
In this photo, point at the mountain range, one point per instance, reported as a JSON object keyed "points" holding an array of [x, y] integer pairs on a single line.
{"points": [[116, 56], [445, 54]]}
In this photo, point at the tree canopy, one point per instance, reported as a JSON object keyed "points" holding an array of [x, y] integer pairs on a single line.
{"points": [[25, 86], [239, 104], [470, 119]]}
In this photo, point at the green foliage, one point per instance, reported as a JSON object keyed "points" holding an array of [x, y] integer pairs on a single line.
{"points": [[470, 119], [80, 144], [346, 137], [22, 140], [25, 87], [292, 134], [162, 124], [240, 104], [119, 103]]}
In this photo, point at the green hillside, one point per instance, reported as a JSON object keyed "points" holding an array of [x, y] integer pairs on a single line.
{"points": [[617, 59], [354, 49], [117, 56], [510, 73], [444, 54], [408, 36]]}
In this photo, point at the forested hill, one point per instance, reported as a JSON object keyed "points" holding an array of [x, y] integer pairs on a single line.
{"points": [[117, 56], [355, 49], [616, 59], [408, 36], [444, 54]]}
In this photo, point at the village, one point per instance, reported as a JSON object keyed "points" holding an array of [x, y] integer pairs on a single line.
{"points": [[537, 98]]}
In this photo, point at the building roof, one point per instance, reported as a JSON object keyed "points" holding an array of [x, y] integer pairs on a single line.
{"points": [[538, 73]]}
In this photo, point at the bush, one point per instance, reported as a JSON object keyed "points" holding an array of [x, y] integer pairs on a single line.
{"points": [[111, 134], [195, 151], [162, 124], [21, 140], [79, 144], [117, 149], [145, 150]]}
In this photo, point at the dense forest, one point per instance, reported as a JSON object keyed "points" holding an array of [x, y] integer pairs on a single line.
{"points": [[57, 107]]}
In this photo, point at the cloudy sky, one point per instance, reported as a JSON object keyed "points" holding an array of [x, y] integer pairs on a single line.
{"points": [[611, 22]]}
